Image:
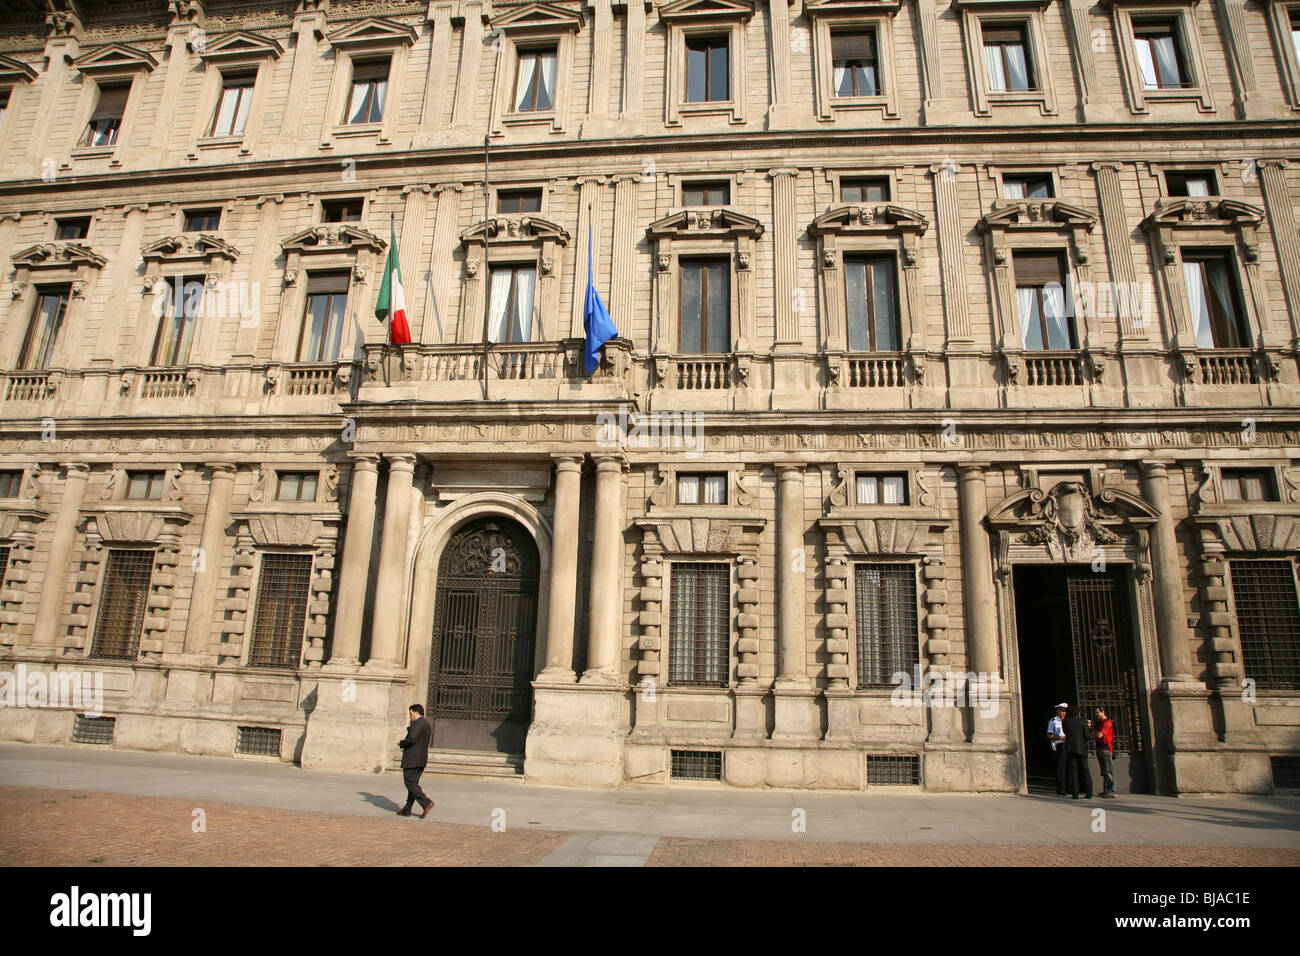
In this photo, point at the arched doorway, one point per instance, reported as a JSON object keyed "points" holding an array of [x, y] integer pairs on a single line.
{"points": [[484, 635]]}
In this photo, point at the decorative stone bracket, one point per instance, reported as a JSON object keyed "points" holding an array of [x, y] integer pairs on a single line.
{"points": [[18, 530]]}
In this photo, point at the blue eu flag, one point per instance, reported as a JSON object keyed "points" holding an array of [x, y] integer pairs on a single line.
{"points": [[595, 319]]}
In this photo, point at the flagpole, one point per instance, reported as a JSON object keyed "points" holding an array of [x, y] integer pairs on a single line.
{"points": [[487, 271], [391, 234]]}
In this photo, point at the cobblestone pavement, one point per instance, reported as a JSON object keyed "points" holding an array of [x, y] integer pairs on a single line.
{"points": [[682, 851], [43, 827], [58, 828]]}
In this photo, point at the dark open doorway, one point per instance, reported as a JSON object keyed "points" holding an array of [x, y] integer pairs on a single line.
{"points": [[1077, 646]]}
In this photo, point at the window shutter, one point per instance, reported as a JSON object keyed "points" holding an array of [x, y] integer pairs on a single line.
{"points": [[853, 46], [1003, 33], [322, 283], [1038, 268], [112, 103]]}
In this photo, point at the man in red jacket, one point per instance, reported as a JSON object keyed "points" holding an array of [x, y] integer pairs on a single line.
{"points": [[1103, 731]]}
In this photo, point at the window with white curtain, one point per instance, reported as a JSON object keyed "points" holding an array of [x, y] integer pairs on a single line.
{"points": [[1199, 183], [369, 91], [535, 80], [182, 306], [1027, 187], [510, 316], [1006, 58], [233, 106], [1160, 58], [701, 489], [882, 489], [43, 329], [1212, 301], [1040, 302], [855, 63]]}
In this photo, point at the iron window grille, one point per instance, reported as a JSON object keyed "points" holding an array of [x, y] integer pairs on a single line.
{"points": [[43, 330], [707, 69], [258, 741], [696, 765], [282, 588], [706, 306], [122, 604], [4, 562], [1248, 484], [855, 63], [871, 295], [887, 641], [699, 637], [1268, 621], [893, 770], [875, 189], [1286, 772], [93, 730]]}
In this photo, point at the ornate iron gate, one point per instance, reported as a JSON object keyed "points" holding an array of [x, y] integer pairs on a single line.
{"points": [[1105, 667], [481, 664]]}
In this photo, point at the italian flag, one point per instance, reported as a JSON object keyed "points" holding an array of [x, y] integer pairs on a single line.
{"points": [[393, 298]]}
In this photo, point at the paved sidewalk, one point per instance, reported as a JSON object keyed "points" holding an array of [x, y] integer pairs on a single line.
{"points": [[629, 826]]}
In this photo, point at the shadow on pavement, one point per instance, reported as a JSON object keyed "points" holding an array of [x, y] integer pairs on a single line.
{"points": [[383, 803]]}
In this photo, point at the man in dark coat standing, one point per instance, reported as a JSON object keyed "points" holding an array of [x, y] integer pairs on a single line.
{"points": [[1076, 755], [415, 756]]}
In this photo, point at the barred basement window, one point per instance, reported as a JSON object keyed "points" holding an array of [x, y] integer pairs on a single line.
{"points": [[93, 730], [696, 765], [893, 770], [886, 622], [699, 646], [122, 604], [10, 483], [281, 610], [4, 562], [258, 741], [1286, 772], [1268, 620]]}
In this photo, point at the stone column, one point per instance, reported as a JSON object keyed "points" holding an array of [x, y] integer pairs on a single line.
{"points": [[265, 248], [1286, 236], [633, 65], [977, 572], [203, 597], [589, 203], [435, 81], [952, 253], [471, 51], [562, 601], [604, 617], [1171, 609], [414, 214], [386, 623], [308, 27], [598, 121], [49, 609], [178, 62], [783, 112], [623, 265], [794, 713], [355, 572]]}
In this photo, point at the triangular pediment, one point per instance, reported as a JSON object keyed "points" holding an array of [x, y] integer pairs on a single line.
{"points": [[15, 71], [115, 58], [241, 45], [55, 255], [373, 32], [705, 222], [332, 237], [538, 16], [1033, 213], [189, 246], [831, 8], [882, 217], [523, 229], [1198, 210], [706, 10]]}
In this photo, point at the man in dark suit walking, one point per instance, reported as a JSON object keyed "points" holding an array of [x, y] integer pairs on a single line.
{"points": [[1076, 755], [415, 755]]}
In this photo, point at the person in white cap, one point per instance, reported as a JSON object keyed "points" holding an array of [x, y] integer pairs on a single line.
{"points": [[1056, 734]]}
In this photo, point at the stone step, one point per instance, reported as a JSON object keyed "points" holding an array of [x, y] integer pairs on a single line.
{"points": [[475, 763]]}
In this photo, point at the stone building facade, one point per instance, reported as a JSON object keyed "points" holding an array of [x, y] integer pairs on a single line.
{"points": [[958, 340]]}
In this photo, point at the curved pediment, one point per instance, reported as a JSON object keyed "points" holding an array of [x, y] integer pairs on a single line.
{"points": [[524, 228], [1033, 213], [707, 222], [1035, 505], [373, 32], [15, 71], [58, 255], [333, 237], [706, 10], [1200, 211], [114, 58], [189, 246], [240, 45], [877, 218], [546, 17]]}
